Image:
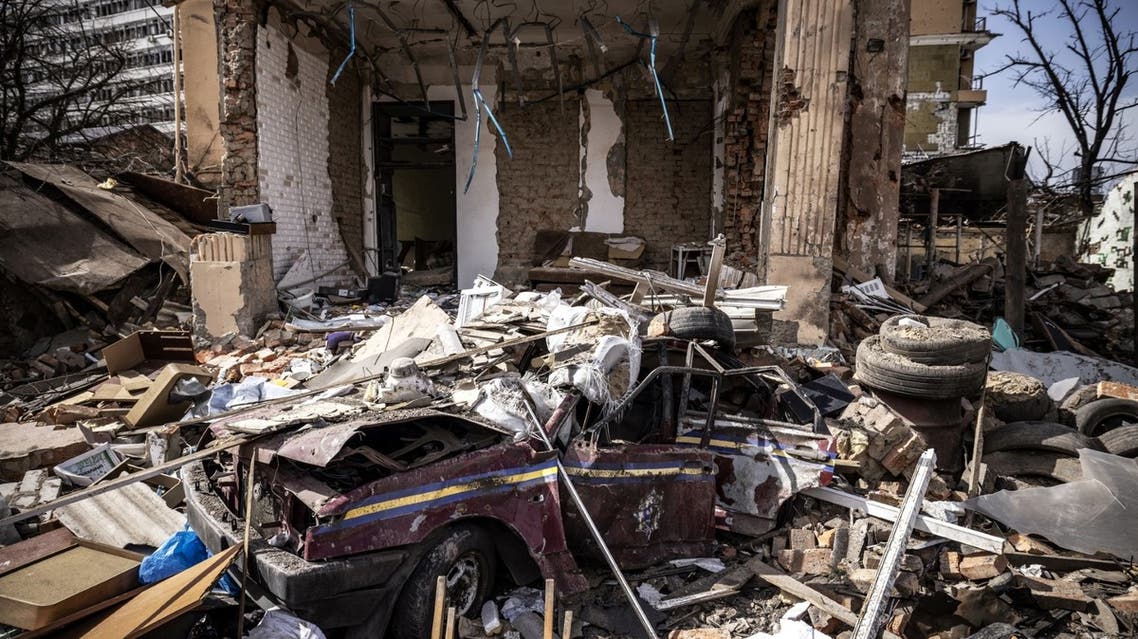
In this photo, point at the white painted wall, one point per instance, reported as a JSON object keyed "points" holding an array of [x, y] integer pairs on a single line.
{"points": [[605, 208], [292, 151], [370, 221], [477, 209], [1109, 234]]}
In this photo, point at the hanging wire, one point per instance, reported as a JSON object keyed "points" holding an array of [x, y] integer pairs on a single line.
{"points": [[352, 35], [652, 37]]}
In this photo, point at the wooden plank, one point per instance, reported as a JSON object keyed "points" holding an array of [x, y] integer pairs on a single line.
{"points": [[35, 548], [1015, 272], [163, 601], [792, 586], [860, 276], [718, 249], [100, 488]]}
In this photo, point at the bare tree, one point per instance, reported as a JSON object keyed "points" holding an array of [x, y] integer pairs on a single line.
{"points": [[58, 78], [1084, 79]]}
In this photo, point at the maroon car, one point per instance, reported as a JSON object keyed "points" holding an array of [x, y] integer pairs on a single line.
{"points": [[354, 520]]}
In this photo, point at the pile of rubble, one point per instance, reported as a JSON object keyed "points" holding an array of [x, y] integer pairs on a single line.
{"points": [[662, 475], [1070, 306]]}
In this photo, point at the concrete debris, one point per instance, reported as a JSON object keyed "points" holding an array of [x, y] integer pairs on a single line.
{"points": [[353, 434]]}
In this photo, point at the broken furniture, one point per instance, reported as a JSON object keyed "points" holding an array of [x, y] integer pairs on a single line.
{"points": [[554, 249], [55, 575]]}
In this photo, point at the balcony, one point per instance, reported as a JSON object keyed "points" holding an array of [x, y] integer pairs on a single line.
{"points": [[970, 93], [978, 24]]}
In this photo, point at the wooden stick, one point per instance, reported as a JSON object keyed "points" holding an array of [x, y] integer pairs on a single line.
{"points": [[718, 248], [450, 623], [249, 482], [440, 599], [114, 484], [567, 625], [548, 631]]}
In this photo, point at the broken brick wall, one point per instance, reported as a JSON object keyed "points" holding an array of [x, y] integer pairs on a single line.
{"points": [[868, 205], [750, 62], [537, 189], [668, 184], [237, 40], [293, 151], [345, 159]]}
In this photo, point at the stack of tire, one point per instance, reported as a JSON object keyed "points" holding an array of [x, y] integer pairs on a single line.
{"points": [[925, 357]]}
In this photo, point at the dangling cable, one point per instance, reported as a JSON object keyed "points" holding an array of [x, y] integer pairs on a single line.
{"points": [[652, 37]]}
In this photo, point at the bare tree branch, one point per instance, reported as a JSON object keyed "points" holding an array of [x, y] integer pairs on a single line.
{"points": [[1085, 79]]}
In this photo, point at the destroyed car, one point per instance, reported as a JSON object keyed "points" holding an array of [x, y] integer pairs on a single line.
{"points": [[356, 512]]}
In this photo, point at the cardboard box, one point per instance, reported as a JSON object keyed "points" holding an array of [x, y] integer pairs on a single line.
{"points": [[148, 346], [153, 407]]}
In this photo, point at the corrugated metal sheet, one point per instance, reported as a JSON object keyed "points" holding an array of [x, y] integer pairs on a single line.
{"points": [[133, 515]]}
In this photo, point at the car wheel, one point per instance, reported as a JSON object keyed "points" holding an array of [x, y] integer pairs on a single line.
{"points": [[465, 556], [885, 371], [1103, 415], [695, 323], [940, 341]]}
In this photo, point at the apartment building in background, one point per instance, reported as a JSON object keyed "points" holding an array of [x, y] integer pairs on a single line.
{"points": [[944, 92], [144, 30]]}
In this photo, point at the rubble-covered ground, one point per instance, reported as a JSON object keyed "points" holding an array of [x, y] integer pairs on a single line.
{"points": [[1018, 526]]}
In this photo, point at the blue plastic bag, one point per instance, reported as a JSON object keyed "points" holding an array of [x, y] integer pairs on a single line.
{"points": [[176, 554]]}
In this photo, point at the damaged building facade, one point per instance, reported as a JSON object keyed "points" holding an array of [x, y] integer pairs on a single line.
{"points": [[360, 127]]}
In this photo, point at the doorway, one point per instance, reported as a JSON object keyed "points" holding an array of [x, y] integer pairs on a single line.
{"points": [[415, 174]]}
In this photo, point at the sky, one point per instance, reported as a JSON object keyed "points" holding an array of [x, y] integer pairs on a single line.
{"points": [[1015, 113]]}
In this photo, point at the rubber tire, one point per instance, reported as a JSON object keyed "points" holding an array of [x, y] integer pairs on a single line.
{"points": [[1121, 441], [1035, 463], [1089, 419], [1034, 435], [413, 612], [934, 346], [896, 374], [695, 323]]}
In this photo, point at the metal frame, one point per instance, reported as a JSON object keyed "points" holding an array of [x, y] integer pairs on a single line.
{"points": [[718, 375]]}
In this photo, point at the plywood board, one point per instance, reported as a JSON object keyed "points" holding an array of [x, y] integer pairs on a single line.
{"points": [[163, 601]]}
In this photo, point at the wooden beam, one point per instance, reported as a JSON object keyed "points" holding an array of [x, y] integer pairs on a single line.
{"points": [[718, 249], [1015, 277], [114, 484], [930, 245]]}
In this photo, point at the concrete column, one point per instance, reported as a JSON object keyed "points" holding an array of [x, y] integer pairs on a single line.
{"points": [[804, 161], [237, 36], [868, 216]]}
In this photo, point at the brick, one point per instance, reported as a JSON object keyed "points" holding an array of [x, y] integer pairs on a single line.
{"points": [[906, 584], [904, 454], [815, 561], [802, 539], [909, 562], [1024, 543], [31, 482], [980, 567], [950, 564]]}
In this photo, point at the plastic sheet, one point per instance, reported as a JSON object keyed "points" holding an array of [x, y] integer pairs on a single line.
{"points": [[181, 551], [1096, 513], [278, 624], [250, 390]]}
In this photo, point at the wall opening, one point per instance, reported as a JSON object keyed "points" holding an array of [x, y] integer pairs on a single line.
{"points": [[415, 184]]}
